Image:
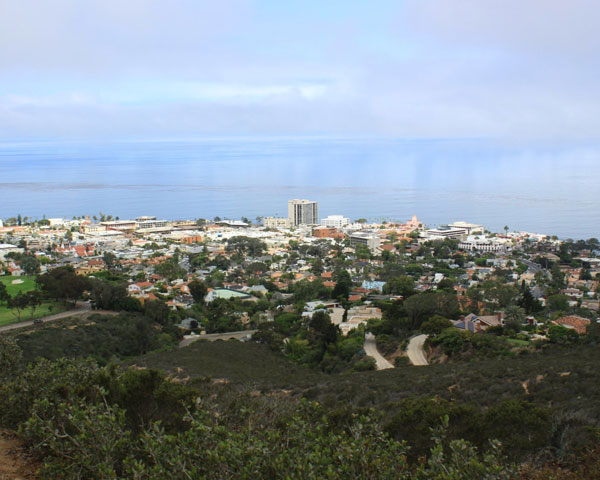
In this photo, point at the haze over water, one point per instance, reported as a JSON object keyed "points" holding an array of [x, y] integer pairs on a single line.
{"points": [[553, 190]]}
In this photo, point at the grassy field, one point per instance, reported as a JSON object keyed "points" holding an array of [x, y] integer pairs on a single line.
{"points": [[12, 288], [7, 317]]}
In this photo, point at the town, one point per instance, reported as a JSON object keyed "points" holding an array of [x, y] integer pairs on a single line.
{"points": [[493, 334], [277, 273]]}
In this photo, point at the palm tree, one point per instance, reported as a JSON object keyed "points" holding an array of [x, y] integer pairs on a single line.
{"points": [[505, 229]]}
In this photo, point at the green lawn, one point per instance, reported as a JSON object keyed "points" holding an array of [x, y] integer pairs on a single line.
{"points": [[7, 317], [14, 288], [517, 342]]}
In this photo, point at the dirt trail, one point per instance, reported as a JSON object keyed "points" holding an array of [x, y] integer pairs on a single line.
{"points": [[15, 464]]}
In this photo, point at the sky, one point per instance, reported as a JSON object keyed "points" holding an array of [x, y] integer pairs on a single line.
{"points": [[509, 69]]}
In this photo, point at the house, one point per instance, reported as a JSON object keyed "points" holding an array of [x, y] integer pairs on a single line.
{"points": [[475, 323], [359, 316], [372, 285], [577, 323], [591, 304], [227, 294]]}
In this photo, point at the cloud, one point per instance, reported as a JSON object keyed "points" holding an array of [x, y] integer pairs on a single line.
{"points": [[538, 27], [451, 68]]}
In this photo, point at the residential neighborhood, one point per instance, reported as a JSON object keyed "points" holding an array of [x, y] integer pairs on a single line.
{"points": [[354, 272]]}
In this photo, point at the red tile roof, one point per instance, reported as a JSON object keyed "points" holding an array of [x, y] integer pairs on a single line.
{"points": [[579, 324]]}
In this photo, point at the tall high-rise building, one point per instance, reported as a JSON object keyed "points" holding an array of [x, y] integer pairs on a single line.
{"points": [[303, 212]]}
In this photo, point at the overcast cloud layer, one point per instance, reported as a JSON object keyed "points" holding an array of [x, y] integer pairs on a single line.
{"points": [[439, 68]]}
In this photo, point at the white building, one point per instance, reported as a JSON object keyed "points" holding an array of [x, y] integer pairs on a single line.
{"points": [[481, 243], [276, 222], [335, 221], [1, 223], [144, 223], [94, 228], [303, 212], [471, 228], [122, 225], [444, 232], [56, 222], [6, 248]]}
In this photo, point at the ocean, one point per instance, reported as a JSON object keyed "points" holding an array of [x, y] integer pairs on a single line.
{"points": [[552, 189]]}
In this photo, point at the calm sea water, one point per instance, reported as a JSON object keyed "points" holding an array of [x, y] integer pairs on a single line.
{"points": [[547, 189]]}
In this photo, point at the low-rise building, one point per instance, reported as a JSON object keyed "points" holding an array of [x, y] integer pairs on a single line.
{"points": [[326, 232], [276, 222], [471, 228], [481, 243], [372, 241], [335, 221], [444, 232], [120, 225]]}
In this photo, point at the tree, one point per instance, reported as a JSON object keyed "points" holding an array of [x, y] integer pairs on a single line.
{"points": [[343, 284], [17, 304], [558, 277], [585, 274], [157, 311], [243, 245], [4, 296], [108, 296], [110, 259], [29, 264], [435, 325], [63, 284], [317, 267], [362, 251], [198, 290], [557, 303], [514, 317], [34, 300], [11, 357], [321, 328], [170, 269], [403, 285], [529, 303], [422, 306]]}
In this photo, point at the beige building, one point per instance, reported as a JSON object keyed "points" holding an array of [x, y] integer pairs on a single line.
{"points": [[276, 222]]}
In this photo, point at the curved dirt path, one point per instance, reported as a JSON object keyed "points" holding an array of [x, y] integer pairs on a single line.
{"points": [[371, 350], [415, 351]]}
